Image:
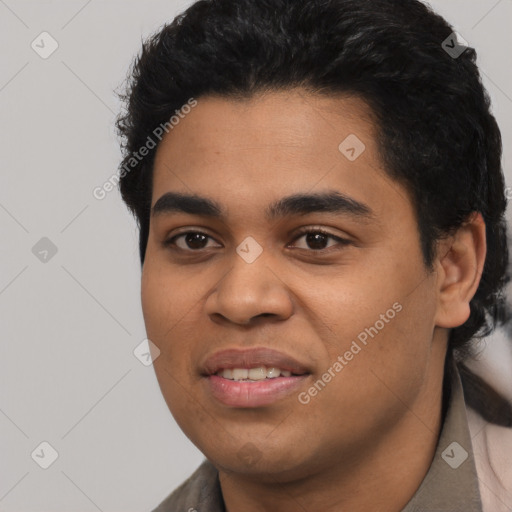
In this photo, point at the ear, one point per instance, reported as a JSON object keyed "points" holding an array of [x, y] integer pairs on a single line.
{"points": [[459, 262]]}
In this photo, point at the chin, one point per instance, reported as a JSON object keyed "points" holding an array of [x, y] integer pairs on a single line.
{"points": [[265, 466]]}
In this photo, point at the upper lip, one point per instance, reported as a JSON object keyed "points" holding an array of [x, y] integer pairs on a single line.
{"points": [[252, 358]]}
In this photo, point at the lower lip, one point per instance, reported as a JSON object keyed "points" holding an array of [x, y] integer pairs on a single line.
{"points": [[253, 394]]}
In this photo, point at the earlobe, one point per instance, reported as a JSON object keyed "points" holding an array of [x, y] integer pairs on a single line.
{"points": [[460, 262]]}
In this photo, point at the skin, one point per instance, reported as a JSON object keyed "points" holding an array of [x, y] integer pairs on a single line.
{"points": [[383, 410]]}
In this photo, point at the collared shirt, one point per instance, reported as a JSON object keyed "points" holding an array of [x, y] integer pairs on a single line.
{"points": [[450, 485]]}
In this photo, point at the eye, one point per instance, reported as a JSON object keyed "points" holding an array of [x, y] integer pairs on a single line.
{"points": [[316, 238], [191, 241]]}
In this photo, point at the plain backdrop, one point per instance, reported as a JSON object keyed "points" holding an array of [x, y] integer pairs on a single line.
{"points": [[70, 314]]}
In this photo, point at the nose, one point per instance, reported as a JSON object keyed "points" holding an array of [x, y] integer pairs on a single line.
{"points": [[248, 292]]}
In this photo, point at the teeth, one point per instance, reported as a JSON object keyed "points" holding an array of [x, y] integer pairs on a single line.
{"points": [[257, 373], [240, 373], [227, 374], [253, 374], [273, 372]]}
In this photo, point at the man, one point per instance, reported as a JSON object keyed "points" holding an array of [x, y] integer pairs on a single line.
{"points": [[320, 199]]}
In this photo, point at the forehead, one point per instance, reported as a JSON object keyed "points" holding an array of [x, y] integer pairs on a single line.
{"points": [[249, 152]]}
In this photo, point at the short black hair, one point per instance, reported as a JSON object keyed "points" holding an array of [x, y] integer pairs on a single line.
{"points": [[436, 133]]}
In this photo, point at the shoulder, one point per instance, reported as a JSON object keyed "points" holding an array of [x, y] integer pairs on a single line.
{"points": [[492, 447], [201, 491]]}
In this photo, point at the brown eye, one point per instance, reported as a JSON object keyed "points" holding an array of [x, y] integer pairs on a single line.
{"points": [[192, 241], [318, 239]]}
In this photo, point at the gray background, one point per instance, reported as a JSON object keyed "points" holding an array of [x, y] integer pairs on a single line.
{"points": [[69, 325]]}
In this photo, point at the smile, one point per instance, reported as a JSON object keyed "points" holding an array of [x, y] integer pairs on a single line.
{"points": [[252, 377], [253, 374]]}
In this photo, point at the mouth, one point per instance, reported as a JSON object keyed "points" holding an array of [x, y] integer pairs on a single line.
{"points": [[254, 374], [252, 378]]}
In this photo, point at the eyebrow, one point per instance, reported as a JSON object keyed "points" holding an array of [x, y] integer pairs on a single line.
{"points": [[296, 204]]}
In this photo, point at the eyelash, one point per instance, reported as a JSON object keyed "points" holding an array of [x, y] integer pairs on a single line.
{"points": [[301, 233]]}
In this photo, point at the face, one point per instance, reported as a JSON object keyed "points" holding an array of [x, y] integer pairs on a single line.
{"points": [[298, 263]]}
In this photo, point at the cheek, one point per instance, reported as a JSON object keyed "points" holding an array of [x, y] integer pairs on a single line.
{"points": [[162, 312], [152, 304], [383, 314], [169, 317], [163, 300], [383, 365]]}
